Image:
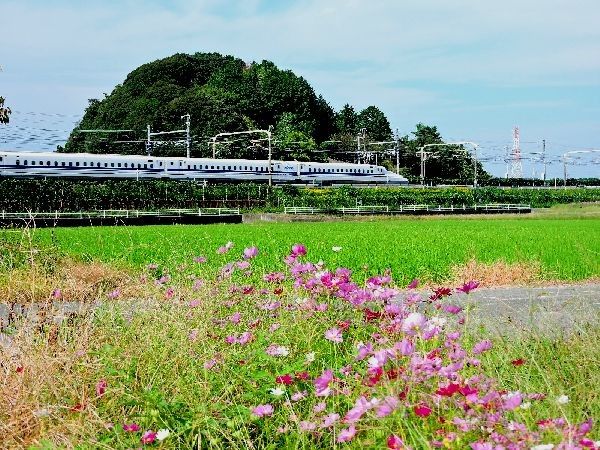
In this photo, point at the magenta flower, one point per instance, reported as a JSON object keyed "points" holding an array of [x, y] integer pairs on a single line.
{"points": [[57, 293], [286, 379], [482, 346], [250, 252], [101, 387], [468, 286], [200, 259], [225, 248], [277, 350], [114, 294], [394, 442], [148, 437], [193, 334], [298, 250], [322, 383], [170, 292], [263, 410], [422, 410], [197, 284], [334, 335], [347, 434], [131, 427], [235, 318]]}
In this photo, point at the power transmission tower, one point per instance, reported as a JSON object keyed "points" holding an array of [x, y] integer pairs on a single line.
{"points": [[516, 166]]}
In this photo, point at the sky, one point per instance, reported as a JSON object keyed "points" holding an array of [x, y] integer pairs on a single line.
{"points": [[473, 68]]}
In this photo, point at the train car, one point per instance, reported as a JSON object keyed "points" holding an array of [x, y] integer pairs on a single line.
{"points": [[87, 165]]}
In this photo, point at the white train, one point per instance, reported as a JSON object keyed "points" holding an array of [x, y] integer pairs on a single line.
{"points": [[50, 164]]}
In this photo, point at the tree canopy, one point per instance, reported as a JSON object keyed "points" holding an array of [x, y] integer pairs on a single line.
{"points": [[4, 112]]}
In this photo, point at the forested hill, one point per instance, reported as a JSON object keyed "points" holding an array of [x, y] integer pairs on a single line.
{"points": [[222, 93]]}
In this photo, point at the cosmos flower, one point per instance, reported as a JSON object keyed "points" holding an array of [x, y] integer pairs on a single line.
{"points": [[334, 335], [250, 252], [263, 410]]}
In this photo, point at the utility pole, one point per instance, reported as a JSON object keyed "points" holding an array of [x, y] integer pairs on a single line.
{"points": [[148, 142], [187, 133], [397, 152], [544, 159]]}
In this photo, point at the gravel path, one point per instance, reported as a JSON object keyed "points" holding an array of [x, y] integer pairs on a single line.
{"points": [[506, 310], [548, 309]]}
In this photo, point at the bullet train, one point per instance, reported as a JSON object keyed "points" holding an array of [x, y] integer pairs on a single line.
{"points": [[87, 165]]}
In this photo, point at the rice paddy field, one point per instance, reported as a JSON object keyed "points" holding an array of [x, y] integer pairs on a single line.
{"points": [[430, 249]]}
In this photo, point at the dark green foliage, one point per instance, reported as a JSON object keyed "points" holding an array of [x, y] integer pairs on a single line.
{"points": [[222, 94], [4, 112], [21, 195]]}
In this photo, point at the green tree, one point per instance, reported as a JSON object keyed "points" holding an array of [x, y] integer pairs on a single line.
{"points": [[374, 121], [346, 120], [292, 139]]}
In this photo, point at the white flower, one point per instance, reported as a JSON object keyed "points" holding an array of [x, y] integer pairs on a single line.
{"points": [[277, 392], [162, 434], [562, 400], [336, 249], [525, 405], [310, 357], [543, 447]]}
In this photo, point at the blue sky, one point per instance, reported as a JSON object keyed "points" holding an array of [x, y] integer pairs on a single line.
{"points": [[473, 68]]}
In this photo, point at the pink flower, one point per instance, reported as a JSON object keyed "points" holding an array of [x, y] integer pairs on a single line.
{"points": [[319, 407], [329, 420], [277, 350], [101, 387], [210, 364], [250, 252], [405, 347], [148, 437], [413, 323], [347, 434], [131, 427], [360, 408], [57, 293], [263, 410], [245, 337], [235, 318], [334, 335], [193, 334], [200, 259], [152, 266], [512, 401], [114, 294], [413, 284], [298, 250], [225, 248], [197, 284], [468, 286], [170, 293], [482, 346], [305, 425], [322, 383], [387, 407], [297, 396]]}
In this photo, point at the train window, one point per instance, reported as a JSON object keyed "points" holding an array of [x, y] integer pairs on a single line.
{"points": [[105, 164], [180, 163], [41, 163], [118, 164], [205, 167], [152, 166], [85, 163], [24, 162], [1, 159], [194, 166], [47, 163], [145, 166], [112, 164], [55, 163], [212, 167], [189, 167], [171, 162], [228, 167], [62, 164], [18, 163], [139, 166]]}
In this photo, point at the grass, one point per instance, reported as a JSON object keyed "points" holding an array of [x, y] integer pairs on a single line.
{"points": [[154, 349], [559, 249]]}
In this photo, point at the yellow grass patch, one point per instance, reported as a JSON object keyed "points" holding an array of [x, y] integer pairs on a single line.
{"points": [[499, 273]]}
